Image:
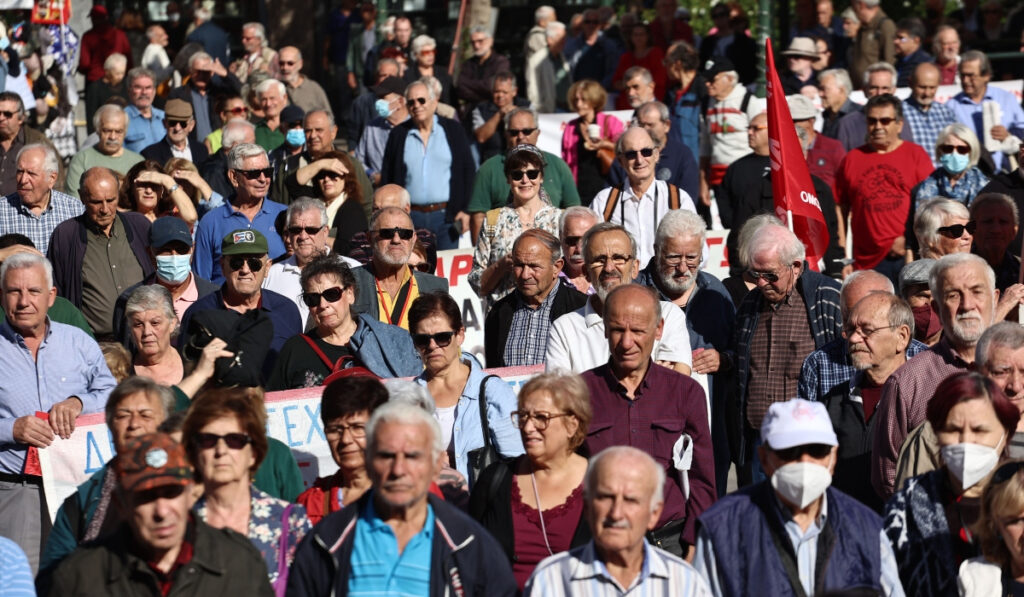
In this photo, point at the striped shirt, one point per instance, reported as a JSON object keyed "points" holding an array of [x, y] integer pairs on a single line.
{"points": [[15, 574], [379, 568], [15, 216], [830, 366], [580, 573]]}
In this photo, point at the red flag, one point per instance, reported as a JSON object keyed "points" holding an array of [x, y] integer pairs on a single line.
{"points": [[795, 200]]}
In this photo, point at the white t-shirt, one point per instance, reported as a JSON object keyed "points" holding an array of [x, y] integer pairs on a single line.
{"points": [[446, 418]]}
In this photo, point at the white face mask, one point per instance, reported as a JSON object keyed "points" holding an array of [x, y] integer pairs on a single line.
{"points": [[970, 463], [801, 483]]}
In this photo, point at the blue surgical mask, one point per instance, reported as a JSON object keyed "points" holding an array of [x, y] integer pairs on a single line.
{"points": [[383, 108], [954, 162], [173, 268], [5, 43], [295, 137]]}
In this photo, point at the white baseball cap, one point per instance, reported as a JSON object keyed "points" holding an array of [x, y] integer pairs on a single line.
{"points": [[797, 422]]}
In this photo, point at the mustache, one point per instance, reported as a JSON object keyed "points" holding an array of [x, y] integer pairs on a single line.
{"points": [[616, 524], [968, 316]]}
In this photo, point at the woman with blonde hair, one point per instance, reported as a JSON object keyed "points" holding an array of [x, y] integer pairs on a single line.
{"points": [[1000, 533], [588, 143]]}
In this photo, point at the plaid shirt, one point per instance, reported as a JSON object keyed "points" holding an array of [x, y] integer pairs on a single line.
{"points": [[528, 334], [830, 366], [925, 125], [15, 217]]}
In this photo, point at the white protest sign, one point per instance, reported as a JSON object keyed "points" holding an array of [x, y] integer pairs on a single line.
{"points": [[454, 265]]}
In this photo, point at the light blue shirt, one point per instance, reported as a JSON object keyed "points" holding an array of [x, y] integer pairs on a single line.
{"points": [[68, 363], [370, 150], [969, 113], [467, 435], [201, 110], [15, 574], [428, 169], [142, 131], [218, 222], [377, 568]]}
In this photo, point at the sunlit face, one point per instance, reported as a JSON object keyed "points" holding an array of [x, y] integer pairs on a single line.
{"points": [[619, 510], [966, 304], [220, 464], [320, 132], [632, 325], [657, 128], [142, 92], [768, 262], [427, 56], [1005, 366], [610, 261], [27, 298], [533, 269], [524, 189], [482, 44], [871, 341], [639, 168], [996, 227], [137, 414], [251, 40], [327, 315], [113, 128], [572, 245], [272, 101], [880, 82], [306, 246], [34, 182], [251, 187], [201, 73], [244, 282], [393, 250], [421, 106], [403, 31], [972, 80], [403, 463], [503, 93], [905, 43], [960, 244], [720, 86], [971, 422], [346, 437], [883, 127], [832, 92], [949, 46], [151, 331], [436, 358], [554, 440], [678, 263], [924, 85], [521, 122], [99, 194], [1011, 528], [824, 54], [146, 196], [178, 130], [637, 90], [582, 106]]}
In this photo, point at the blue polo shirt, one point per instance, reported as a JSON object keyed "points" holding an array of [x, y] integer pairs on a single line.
{"points": [[429, 169], [143, 132], [218, 222], [376, 566]]}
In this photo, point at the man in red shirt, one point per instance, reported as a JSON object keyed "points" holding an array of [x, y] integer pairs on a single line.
{"points": [[873, 188], [98, 43]]}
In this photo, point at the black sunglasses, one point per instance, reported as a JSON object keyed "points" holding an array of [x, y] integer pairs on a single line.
{"points": [[8, 114], [957, 230], [235, 441], [327, 174], [389, 233], [632, 153], [236, 262], [310, 230], [532, 174], [961, 149], [818, 451], [331, 295], [884, 121], [442, 339], [517, 132], [770, 277], [412, 101], [175, 123], [254, 174]]}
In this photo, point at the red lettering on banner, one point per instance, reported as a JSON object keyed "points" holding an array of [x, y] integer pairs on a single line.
{"points": [[725, 251], [461, 266]]}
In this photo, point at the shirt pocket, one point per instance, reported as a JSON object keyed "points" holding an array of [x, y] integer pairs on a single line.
{"points": [[664, 434], [599, 436]]}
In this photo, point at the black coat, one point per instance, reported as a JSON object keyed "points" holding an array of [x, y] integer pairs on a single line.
{"points": [[217, 86], [161, 152], [499, 319]]}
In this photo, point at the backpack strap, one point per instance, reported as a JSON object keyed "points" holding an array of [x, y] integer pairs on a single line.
{"points": [[673, 196], [746, 101], [613, 200]]}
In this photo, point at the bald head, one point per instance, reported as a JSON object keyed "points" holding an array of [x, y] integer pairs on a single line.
{"points": [[858, 285], [391, 195], [639, 298], [924, 83]]}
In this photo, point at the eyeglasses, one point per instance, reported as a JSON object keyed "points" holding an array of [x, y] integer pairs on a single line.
{"points": [[412, 101], [310, 230], [675, 260], [524, 132], [572, 241], [235, 441], [541, 420], [884, 121], [961, 149], [770, 277], [604, 260], [957, 230], [632, 153], [287, 62], [176, 123], [331, 295], [427, 52], [389, 233], [818, 451], [532, 174], [849, 331], [256, 173], [8, 114], [236, 262], [442, 339], [356, 429], [238, 110]]}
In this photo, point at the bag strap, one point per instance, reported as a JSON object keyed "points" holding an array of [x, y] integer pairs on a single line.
{"points": [[613, 200], [783, 547], [673, 196], [482, 400], [492, 217], [333, 366], [746, 101]]}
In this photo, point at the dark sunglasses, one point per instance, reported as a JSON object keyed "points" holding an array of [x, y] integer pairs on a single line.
{"points": [[1007, 471], [957, 230], [389, 233], [310, 230], [286, 62], [442, 339], [884, 121], [255, 174], [818, 451], [327, 174], [175, 123], [632, 153], [961, 149], [8, 114], [517, 132], [238, 110], [235, 441], [532, 174], [412, 101], [770, 277], [236, 263], [572, 241], [331, 295]]}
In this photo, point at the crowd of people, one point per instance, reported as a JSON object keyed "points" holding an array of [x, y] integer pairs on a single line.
{"points": [[232, 226]]}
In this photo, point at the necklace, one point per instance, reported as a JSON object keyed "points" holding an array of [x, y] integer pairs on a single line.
{"points": [[540, 511]]}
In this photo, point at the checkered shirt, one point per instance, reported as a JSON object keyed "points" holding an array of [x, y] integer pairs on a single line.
{"points": [[830, 366], [925, 126], [528, 334], [15, 217]]}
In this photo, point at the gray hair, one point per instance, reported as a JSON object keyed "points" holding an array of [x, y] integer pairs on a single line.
{"points": [[550, 241], [929, 218], [25, 261], [778, 237], [663, 111], [241, 151], [203, 14], [573, 212], [151, 31], [152, 297], [752, 225], [235, 132], [936, 43], [115, 60], [983, 199], [259, 30], [842, 77], [860, 275], [268, 83], [543, 12], [679, 223], [403, 412], [420, 43], [656, 470], [554, 30], [601, 227], [984, 66], [879, 67], [139, 72], [304, 204], [954, 260], [480, 29], [10, 96], [105, 111], [1005, 333], [426, 85], [137, 384], [621, 140], [403, 390], [871, 2], [197, 57], [638, 71], [900, 313], [965, 134], [520, 110], [330, 117], [51, 163]]}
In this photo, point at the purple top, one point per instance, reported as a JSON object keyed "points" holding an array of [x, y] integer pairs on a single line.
{"points": [[560, 523]]}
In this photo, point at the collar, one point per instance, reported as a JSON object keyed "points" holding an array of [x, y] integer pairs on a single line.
{"points": [[590, 316], [116, 229], [651, 192], [406, 274], [591, 566], [963, 98], [10, 334], [613, 382], [787, 517], [521, 304], [377, 524], [230, 210]]}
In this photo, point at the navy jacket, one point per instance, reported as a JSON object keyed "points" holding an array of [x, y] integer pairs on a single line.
{"points": [[366, 288], [161, 152], [677, 165]]}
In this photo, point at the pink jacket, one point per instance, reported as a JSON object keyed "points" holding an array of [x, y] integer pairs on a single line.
{"points": [[611, 128]]}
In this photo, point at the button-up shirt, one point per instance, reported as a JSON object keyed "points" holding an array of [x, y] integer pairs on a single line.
{"points": [[926, 124], [370, 150], [664, 406], [9, 163], [781, 342], [640, 215], [528, 333], [830, 366], [15, 216], [429, 168], [108, 269], [218, 222], [143, 132], [201, 110], [377, 565], [970, 113], [67, 363]]}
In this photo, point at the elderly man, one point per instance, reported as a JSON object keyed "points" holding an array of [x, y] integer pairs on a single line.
{"points": [[258, 57], [474, 84], [488, 117], [388, 285], [490, 185], [799, 73], [875, 38], [874, 183], [35, 209], [925, 116], [637, 88], [516, 328], [399, 537], [429, 155], [111, 125], [999, 137], [14, 136], [136, 407], [292, 181], [727, 115], [963, 292], [272, 96], [160, 536], [572, 225], [155, 57], [206, 80], [215, 170], [178, 142], [1001, 354], [676, 163], [834, 88], [370, 150], [771, 534], [638, 403], [645, 199], [577, 340], [536, 38], [243, 259], [249, 172], [591, 54], [880, 79], [946, 48], [76, 380], [302, 91], [624, 489], [99, 254], [391, 195], [793, 312], [363, 108], [548, 76], [145, 121]]}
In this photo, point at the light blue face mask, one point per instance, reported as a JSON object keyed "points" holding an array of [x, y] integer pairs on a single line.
{"points": [[295, 137], [954, 162], [173, 268], [5, 43], [383, 108]]}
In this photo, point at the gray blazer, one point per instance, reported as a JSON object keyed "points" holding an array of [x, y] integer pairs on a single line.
{"points": [[366, 291]]}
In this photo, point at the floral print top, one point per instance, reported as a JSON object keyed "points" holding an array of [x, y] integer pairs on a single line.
{"points": [[496, 242], [265, 526]]}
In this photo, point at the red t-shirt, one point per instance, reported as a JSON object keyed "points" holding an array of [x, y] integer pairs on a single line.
{"points": [[875, 188]]}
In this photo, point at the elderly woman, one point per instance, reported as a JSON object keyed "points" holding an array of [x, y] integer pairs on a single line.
{"points": [[997, 217], [345, 408], [226, 441], [339, 338], [153, 325], [957, 150], [1000, 534], [424, 55], [458, 383], [533, 505], [333, 175], [579, 147], [528, 207], [642, 54], [150, 192], [929, 520], [943, 226]]}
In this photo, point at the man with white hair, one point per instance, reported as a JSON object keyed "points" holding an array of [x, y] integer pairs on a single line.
{"points": [[572, 225], [111, 125], [823, 153], [536, 39], [392, 195], [623, 489], [548, 75], [834, 88], [676, 163], [272, 96], [35, 209], [214, 40], [258, 57], [637, 88], [155, 57], [302, 91], [207, 79], [215, 170], [880, 79], [946, 49], [874, 41], [112, 84], [398, 535]]}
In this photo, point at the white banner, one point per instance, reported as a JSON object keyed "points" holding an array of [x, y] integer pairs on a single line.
{"points": [[455, 265]]}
